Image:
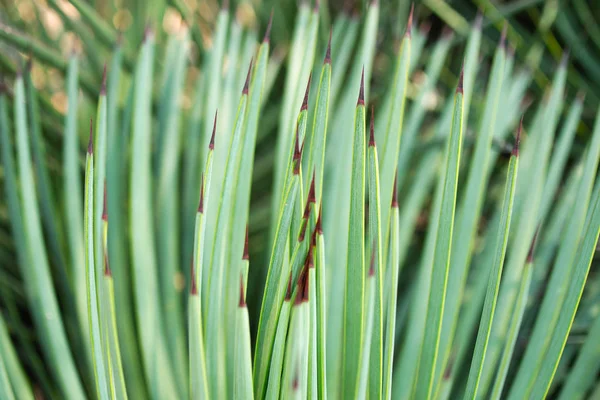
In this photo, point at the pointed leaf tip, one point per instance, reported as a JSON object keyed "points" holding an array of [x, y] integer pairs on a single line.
{"points": [[267, 37], [201, 201], [103, 85], [319, 225], [372, 263], [478, 20], [310, 259], [147, 32], [225, 5], [564, 59], [317, 6], [288, 292], [515, 150], [502, 42], [107, 270], [242, 302], [305, 100], [311, 190], [246, 254], [449, 367], [247, 82], [372, 128], [532, 246], [361, 92], [193, 286], [328, 51], [211, 144], [297, 153], [459, 87], [90, 148], [395, 191], [104, 207], [409, 23]]}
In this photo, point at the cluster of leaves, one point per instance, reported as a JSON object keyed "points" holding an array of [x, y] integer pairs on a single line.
{"points": [[354, 302]]}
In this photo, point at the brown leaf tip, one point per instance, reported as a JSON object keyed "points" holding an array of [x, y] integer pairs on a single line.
{"points": [[193, 286], [372, 263], [107, 270], [305, 100], [317, 6], [211, 144], [478, 20], [225, 5], [515, 150], [247, 82], [201, 201], [90, 148], [147, 32], [311, 191], [395, 191], [409, 23], [319, 226], [564, 59], [288, 292], [310, 261], [425, 27], [328, 51], [459, 87], [532, 246], [242, 295], [502, 42], [103, 85], [267, 37], [104, 207], [449, 367], [372, 129], [246, 254], [361, 92], [297, 153]]}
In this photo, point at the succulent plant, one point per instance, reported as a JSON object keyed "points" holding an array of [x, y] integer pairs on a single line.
{"points": [[295, 222]]}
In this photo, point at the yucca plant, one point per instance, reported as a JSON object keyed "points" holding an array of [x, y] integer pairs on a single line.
{"points": [[345, 228]]}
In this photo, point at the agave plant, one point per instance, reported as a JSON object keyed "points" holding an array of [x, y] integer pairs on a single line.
{"points": [[233, 231]]}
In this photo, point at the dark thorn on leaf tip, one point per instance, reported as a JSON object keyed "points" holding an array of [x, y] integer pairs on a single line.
{"points": [[225, 5], [459, 87], [295, 384], [449, 367], [313, 238], [304, 223], [246, 254], [317, 6], [425, 27], [395, 191], [267, 37], [310, 261], [328, 51], [502, 42], [103, 85], [361, 92], [319, 226], [305, 100], [147, 32], [242, 296], [478, 20], [193, 286], [90, 148], [372, 128], [372, 263], [201, 201], [288, 293], [247, 82], [447, 32], [104, 208], [532, 246], [211, 144], [305, 287], [409, 23], [565, 58], [107, 270], [311, 191], [515, 150]]}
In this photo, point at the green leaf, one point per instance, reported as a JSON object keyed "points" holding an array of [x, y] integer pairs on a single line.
{"points": [[441, 261], [354, 294], [489, 306], [41, 293]]}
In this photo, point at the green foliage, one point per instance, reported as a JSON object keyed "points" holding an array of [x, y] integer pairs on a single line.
{"points": [[232, 232]]}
